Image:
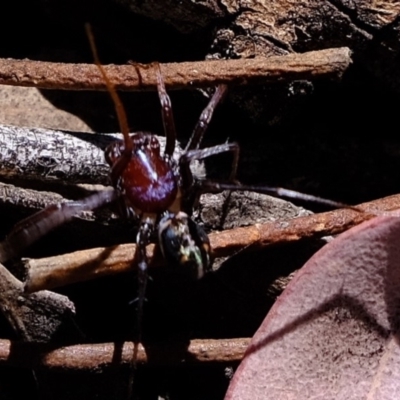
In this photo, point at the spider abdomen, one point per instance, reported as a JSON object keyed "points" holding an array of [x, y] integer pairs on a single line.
{"points": [[184, 245]]}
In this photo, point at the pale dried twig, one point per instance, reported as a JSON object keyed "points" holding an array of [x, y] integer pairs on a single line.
{"points": [[45, 154], [48, 155]]}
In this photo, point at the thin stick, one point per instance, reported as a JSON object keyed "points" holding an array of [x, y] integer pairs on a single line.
{"points": [[329, 63], [53, 154], [27, 199], [47, 273], [104, 355]]}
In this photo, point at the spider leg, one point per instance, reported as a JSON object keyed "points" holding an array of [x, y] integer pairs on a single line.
{"points": [[191, 188], [39, 224], [205, 118], [122, 161], [167, 116], [200, 154], [142, 240], [212, 186]]}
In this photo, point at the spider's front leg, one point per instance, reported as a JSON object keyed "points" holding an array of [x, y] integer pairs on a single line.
{"points": [[205, 118], [192, 152], [166, 114]]}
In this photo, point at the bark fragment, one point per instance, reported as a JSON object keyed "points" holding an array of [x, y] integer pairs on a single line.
{"points": [[34, 318]]}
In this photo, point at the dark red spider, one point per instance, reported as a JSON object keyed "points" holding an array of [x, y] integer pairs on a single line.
{"points": [[161, 191], [153, 187]]}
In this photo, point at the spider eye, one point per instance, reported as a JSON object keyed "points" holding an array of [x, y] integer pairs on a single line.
{"points": [[184, 245], [154, 143], [113, 152]]}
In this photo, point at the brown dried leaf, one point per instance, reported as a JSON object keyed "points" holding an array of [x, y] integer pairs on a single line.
{"points": [[333, 334]]}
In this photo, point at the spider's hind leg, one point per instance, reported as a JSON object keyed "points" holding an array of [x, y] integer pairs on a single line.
{"points": [[143, 238], [32, 228]]}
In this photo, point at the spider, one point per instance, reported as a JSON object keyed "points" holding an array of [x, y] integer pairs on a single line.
{"points": [[149, 186], [155, 188]]}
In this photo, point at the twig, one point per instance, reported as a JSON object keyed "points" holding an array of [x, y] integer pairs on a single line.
{"points": [[105, 355], [329, 63], [27, 199], [46, 155], [79, 266]]}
